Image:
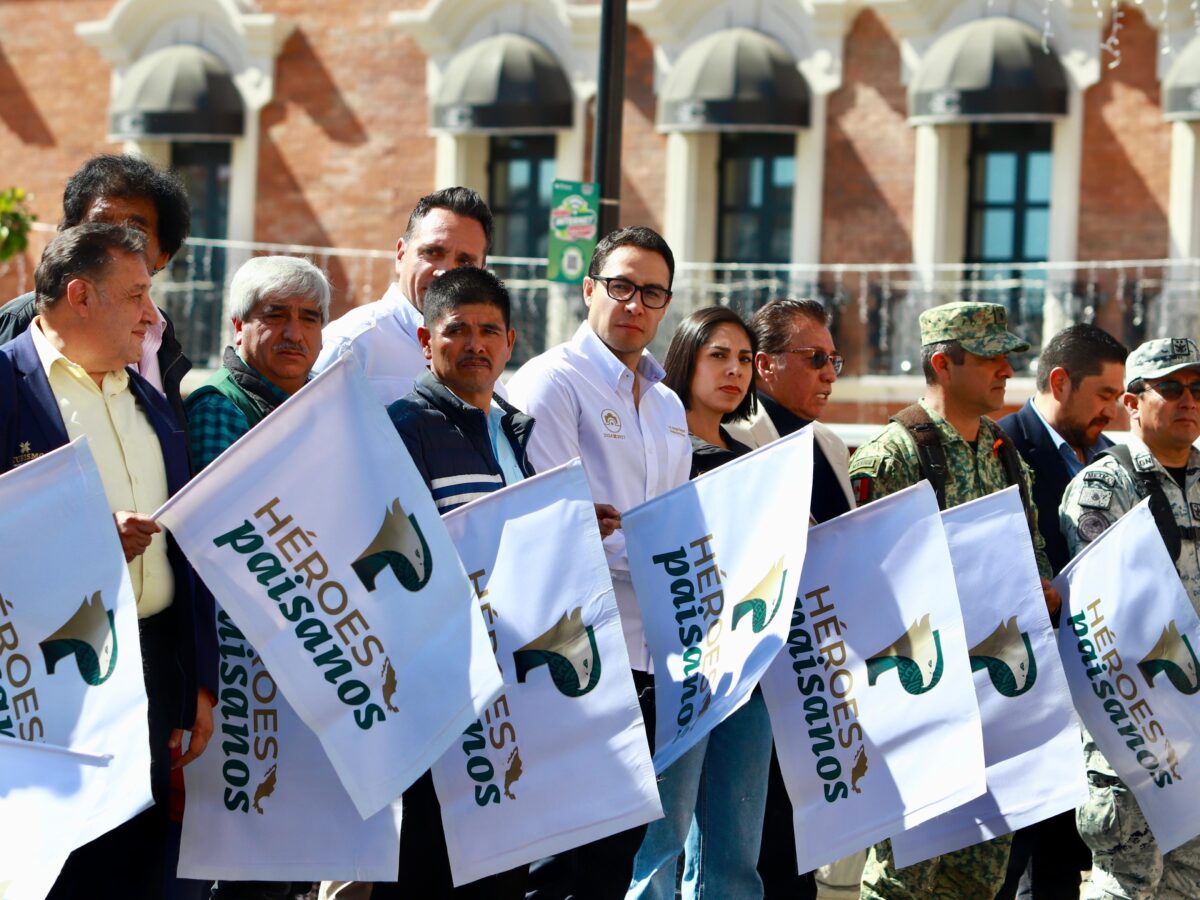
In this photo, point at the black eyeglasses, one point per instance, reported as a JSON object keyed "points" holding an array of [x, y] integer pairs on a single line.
{"points": [[622, 290], [1173, 390], [818, 358]]}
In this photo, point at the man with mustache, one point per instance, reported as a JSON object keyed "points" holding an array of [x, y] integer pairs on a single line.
{"points": [[465, 442], [1162, 397], [948, 439], [278, 305], [1080, 379]]}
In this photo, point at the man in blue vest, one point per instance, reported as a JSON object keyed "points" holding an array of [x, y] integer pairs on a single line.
{"points": [[69, 375]]}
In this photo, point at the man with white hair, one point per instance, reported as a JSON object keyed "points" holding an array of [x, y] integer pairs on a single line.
{"points": [[278, 305]]}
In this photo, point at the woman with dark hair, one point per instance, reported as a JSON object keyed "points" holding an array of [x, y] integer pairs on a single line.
{"points": [[713, 796], [710, 365]]}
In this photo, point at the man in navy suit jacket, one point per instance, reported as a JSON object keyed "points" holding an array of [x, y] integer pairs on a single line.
{"points": [[1080, 379], [67, 376]]}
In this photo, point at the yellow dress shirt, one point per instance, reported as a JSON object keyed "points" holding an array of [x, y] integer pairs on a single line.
{"points": [[128, 456]]}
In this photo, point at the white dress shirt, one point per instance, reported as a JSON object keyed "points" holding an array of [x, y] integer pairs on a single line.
{"points": [[581, 397], [383, 336], [148, 366]]}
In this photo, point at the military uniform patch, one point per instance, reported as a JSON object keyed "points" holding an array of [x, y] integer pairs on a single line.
{"points": [[862, 489], [1195, 510], [1144, 462], [1091, 525], [1095, 497], [1106, 478], [1179, 347]]}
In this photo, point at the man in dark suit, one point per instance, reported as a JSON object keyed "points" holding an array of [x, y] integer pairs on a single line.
{"points": [[68, 375], [1080, 379]]}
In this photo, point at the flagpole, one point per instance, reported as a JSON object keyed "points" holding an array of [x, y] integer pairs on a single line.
{"points": [[610, 98]]}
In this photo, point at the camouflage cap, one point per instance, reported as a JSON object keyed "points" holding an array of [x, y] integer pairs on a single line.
{"points": [[1155, 359], [981, 328]]}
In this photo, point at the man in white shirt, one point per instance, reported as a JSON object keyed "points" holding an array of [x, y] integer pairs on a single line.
{"points": [[446, 229], [600, 397]]}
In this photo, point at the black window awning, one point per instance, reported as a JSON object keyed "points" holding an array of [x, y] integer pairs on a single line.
{"points": [[991, 70], [735, 80], [506, 83], [1181, 87], [177, 92]]}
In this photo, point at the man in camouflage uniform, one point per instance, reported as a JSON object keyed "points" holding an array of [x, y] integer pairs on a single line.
{"points": [[964, 355], [1164, 423]]}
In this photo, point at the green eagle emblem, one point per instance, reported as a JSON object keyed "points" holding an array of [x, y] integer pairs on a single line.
{"points": [[399, 545], [1174, 657], [916, 656], [755, 604], [568, 649], [90, 635], [1008, 657]]}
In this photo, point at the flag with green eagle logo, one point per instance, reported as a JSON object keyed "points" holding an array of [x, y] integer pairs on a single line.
{"points": [[715, 564], [568, 723], [1129, 638], [71, 681], [1030, 731], [872, 707], [316, 534]]}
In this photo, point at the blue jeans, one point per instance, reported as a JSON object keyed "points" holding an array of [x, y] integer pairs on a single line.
{"points": [[721, 786]]}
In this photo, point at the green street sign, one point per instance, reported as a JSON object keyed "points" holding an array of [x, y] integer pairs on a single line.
{"points": [[574, 220]]}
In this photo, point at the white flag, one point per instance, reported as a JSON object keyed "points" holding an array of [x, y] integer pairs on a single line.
{"points": [[715, 564], [560, 759], [317, 535], [1030, 731], [46, 782], [871, 701], [254, 795], [70, 664], [1128, 638]]}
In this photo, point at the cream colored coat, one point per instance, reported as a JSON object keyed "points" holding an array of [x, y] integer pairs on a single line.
{"points": [[760, 430]]}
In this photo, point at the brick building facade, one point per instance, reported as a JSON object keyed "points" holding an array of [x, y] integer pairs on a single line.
{"points": [[339, 142]]}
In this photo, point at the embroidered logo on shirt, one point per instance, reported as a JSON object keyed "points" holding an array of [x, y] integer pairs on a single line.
{"points": [[612, 422], [24, 454]]}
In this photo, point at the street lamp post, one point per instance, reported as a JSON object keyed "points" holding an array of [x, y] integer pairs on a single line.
{"points": [[610, 97]]}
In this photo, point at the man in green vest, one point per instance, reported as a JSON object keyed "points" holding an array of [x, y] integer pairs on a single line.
{"points": [[278, 305]]}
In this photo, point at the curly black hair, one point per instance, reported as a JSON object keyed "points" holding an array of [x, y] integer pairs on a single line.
{"points": [[122, 175]]}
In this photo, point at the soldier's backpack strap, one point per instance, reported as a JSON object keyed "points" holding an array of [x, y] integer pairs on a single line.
{"points": [[1010, 458], [1160, 506], [930, 452]]}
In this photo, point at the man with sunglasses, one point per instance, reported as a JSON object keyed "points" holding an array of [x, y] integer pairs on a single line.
{"points": [[964, 356], [796, 366], [1160, 461], [600, 397]]}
